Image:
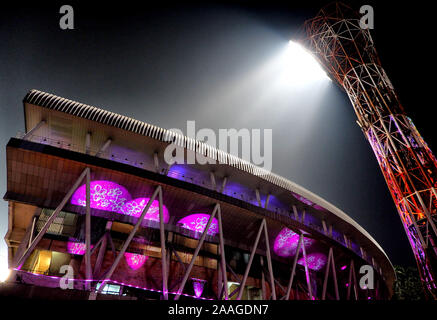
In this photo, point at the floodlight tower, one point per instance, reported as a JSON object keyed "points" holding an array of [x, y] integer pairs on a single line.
{"points": [[347, 52]]}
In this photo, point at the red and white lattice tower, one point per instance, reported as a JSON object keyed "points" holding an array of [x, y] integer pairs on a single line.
{"points": [[348, 54]]}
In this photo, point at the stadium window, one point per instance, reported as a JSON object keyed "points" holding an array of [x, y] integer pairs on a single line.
{"points": [[113, 289], [64, 223], [38, 262]]}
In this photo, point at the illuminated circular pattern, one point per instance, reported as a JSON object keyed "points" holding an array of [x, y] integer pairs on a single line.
{"points": [[197, 222], [105, 195], [135, 208], [134, 260], [316, 261], [286, 242], [77, 248]]}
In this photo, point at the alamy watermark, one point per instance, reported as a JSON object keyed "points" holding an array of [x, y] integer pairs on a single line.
{"points": [[67, 20], [367, 280], [367, 21], [67, 280], [253, 146]]}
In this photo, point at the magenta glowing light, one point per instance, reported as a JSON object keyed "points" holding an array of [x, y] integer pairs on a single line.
{"points": [[134, 260], [306, 201], [344, 267], [108, 281], [198, 285], [316, 261], [286, 243], [105, 195], [198, 221], [135, 208], [77, 248]]}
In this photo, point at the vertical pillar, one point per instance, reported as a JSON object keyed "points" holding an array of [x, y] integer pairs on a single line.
{"points": [[222, 252], [307, 273], [225, 180], [212, 178], [263, 284], [296, 215], [88, 271], [163, 254], [156, 162], [293, 270], [87, 142], [269, 261], [249, 264], [196, 252], [104, 147], [266, 205]]}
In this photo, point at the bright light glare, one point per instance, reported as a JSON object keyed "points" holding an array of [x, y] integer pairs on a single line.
{"points": [[4, 271], [299, 67]]}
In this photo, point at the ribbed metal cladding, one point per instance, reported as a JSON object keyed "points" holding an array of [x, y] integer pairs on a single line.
{"points": [[50, 101]]}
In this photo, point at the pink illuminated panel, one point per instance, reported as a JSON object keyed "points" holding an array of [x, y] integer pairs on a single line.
{"points": [[78, 248], [286, 242], [198, 285], [134, 260], [197, 222], [316, 261], [105, 195], [135, 208]]}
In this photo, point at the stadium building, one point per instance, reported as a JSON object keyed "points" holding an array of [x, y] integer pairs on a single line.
{"points": [[95, 213]]}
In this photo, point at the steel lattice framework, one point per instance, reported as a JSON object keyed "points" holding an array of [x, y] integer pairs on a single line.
{"points": [[348, 53]]}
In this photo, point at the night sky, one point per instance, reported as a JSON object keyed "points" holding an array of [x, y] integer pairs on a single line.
{"points": [[166, 64]]}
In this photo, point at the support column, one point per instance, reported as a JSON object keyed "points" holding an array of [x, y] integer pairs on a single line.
{"points": [[128, 241], [352, 278], [269, 261], [307, 273], [293, 271], [263, 284], [163, 254], [87, 142], [249, 264], [325, 229], [55, 213], [212, 178], [27, 239], [334, 275], [225, 180], [196, 252], [258, 197], [296, 214], [88, 269], [35, 128], [156, 162], [104, 147], [222, 253], [103, 245], [266, 205]]}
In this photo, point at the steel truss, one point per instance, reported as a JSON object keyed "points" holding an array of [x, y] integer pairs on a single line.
{"points": [[29, 243], [409, 167]]}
